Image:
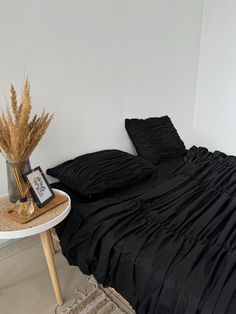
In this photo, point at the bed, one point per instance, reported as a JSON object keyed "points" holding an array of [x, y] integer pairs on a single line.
{"points": [[160, 227], [167, 243]]}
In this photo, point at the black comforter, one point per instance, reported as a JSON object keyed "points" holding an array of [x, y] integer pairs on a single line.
{"points": [[167, 247]]}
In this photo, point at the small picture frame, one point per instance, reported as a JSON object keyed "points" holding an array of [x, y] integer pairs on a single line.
{"points": [[40, 189]]}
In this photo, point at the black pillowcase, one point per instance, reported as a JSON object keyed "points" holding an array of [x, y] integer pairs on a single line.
{"points": [[102, 171], [155, 139]]}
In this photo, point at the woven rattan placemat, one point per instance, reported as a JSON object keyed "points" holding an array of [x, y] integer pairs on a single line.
{"points": [[8, 224]]}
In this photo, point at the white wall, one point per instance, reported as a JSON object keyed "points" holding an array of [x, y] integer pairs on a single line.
{"points": [[95, 63], [215, 111]]}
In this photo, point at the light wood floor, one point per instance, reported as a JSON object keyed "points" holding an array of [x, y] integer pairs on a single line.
{"points": [[25, 285]]}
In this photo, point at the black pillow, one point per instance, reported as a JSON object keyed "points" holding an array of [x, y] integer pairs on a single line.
{"points": [[102, 171], [155, 139]]}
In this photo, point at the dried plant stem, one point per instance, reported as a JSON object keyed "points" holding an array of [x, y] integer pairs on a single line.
{"points": [[19, 135]]}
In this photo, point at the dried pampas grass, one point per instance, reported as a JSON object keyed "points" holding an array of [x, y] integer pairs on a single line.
{"points": [[19, 135]]}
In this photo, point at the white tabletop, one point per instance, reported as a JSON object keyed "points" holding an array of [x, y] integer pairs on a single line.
{"points": [[37, 226]]}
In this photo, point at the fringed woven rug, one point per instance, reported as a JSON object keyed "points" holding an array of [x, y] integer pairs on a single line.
{"points": [[94, 302]]}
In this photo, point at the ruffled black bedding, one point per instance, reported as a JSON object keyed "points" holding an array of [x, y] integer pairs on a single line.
{"points": [[155, 139], [167, 245]]}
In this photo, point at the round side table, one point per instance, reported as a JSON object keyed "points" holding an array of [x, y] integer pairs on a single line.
{"points": [[10, 229]]}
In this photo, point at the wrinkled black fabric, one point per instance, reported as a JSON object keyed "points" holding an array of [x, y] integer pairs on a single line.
{"points": [[102, 171], [166, 247], [155, 139]]}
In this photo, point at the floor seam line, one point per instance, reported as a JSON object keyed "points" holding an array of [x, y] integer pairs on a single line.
{"points": [[19, 252]]}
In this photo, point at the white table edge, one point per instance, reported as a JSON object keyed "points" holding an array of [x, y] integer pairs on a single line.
{"points": [[40, 228]]}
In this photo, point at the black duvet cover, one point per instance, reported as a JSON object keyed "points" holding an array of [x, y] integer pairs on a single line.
{"points": [[168, 246]]}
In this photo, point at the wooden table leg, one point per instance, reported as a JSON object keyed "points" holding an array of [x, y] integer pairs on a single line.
{"points": [[51, 242], [45, 239]]}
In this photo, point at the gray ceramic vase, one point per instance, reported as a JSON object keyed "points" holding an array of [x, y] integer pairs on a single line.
{"points": [[21, 168]]}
